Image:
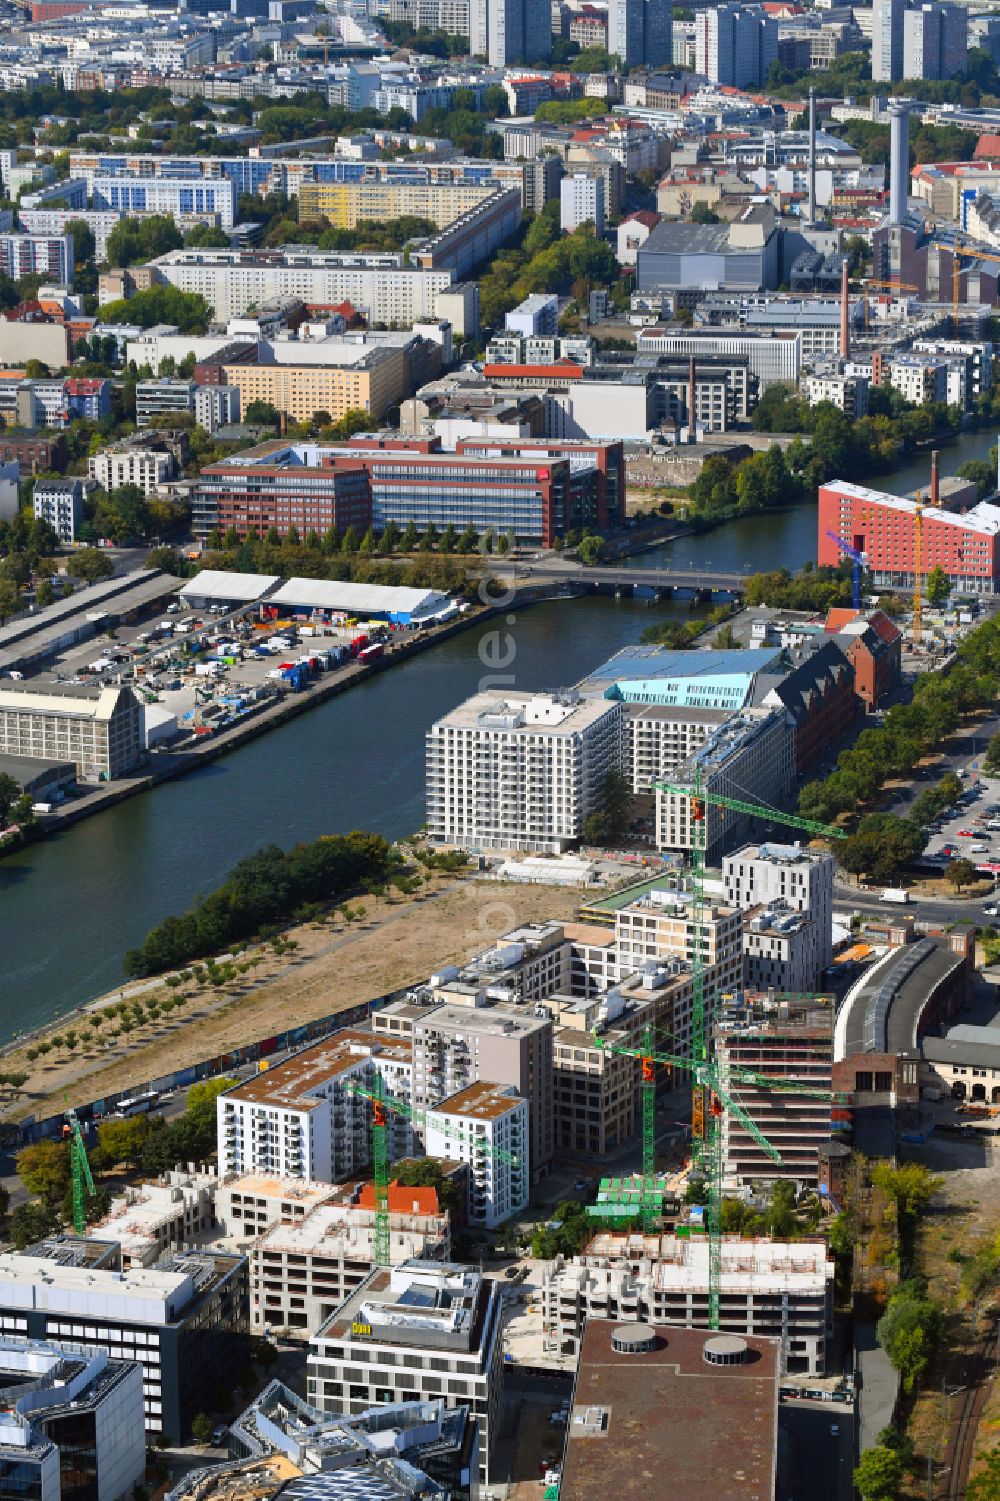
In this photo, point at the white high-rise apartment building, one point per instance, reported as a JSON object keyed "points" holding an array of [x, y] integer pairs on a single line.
{"points": [[887, 40], [507, 32], [310, 1117], [485, 1125], [519, 770], [640, 32], [735, 44], [29, 255], [801, 879], [581, 198]]}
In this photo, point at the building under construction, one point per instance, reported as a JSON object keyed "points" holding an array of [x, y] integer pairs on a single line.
{"points": [[767, 1288], [786, 1040]]}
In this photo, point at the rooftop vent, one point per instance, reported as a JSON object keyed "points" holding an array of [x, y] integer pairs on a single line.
{"points": [[725, 1349], [633, 1339]]}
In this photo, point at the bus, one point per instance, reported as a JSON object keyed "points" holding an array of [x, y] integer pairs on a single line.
{"points": [[139, 1104]]}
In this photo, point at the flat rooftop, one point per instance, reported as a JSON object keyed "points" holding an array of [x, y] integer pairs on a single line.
{"points": [[649, 1414], [526, 713], [289, 1084], [482, 1101]]}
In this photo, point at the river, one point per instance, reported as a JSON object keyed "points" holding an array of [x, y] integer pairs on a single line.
{"points": [[71, 906]]}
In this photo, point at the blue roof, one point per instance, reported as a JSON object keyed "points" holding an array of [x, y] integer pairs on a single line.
{"points": [[687, 679]]}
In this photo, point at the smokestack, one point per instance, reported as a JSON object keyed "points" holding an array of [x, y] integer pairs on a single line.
{"points": [[812, 156], [935, 495], [692, 409], [899, 161], [845, 314]]}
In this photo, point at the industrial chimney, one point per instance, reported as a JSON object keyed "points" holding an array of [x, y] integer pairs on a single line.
{"points": [[812, 156], [899, 160], [935, 480], [845, 314]]}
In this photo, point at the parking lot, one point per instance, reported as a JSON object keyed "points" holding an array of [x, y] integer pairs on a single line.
{"points": [[970, 831]]}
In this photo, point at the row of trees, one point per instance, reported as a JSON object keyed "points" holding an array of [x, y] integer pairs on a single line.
{"points": [[545, 261], [264, 889]]}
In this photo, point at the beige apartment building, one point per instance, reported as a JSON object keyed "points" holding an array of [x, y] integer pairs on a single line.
{"points": [[345, 203], [369, 380], [98, 729]]}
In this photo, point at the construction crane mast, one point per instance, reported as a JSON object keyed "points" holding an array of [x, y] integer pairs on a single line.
{"points": [[382, 1106], [709, 1095], [858, 560], [82, 1177]]}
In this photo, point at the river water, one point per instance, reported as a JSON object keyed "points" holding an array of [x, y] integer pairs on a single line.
{"points": [[71, 906]]}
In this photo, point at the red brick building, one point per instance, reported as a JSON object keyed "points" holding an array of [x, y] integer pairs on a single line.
{"points": [[873, 645], [965, 546], [819, 695]]}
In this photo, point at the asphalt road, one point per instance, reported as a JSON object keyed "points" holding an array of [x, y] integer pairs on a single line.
{"points": [[815, 1465]]}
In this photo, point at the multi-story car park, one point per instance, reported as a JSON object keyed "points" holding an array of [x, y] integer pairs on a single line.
{"points": [[185, 1321], [310, 1117], [98, 729], [418, 1330], [523, 771], [766, 1288]]}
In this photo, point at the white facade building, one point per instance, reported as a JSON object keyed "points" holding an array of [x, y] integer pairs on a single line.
{"points": [[848, 393], [520, 771], [30, 255], [486, 1126], [801, 880], [215, 406], [416, 1330], [212, 199], [581, 199], [60, 503], [310, 1117], [750, 758], [387, 291], [148, 468], [735, 45]]}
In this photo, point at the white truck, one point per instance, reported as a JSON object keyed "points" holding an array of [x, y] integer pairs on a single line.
{"points": [[895, 894]]}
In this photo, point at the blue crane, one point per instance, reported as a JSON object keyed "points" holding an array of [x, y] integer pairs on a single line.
{"points": [[858, 559]]}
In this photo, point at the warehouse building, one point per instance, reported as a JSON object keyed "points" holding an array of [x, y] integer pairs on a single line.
{"points": [[415, 1330], [98, 729], [397, 605], [184, 1321], [520, 771], [766, 1287], [662, 1401], [215, 586], [71, 1424], [742, 256]]}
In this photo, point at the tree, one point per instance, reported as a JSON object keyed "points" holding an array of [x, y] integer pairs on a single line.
{"points": [[985, 1486], [201, 1428], [123, 1141], [909, 1332], [702, 214], [44, 1169], [937, 586], [426, 1172], [33, 1222], [44, 594], [91, 565], [960, 873], [725, 639], [911, 1185], [207, 237], [590, 550], [884, 844], [10, 600], [262, 414], [84, 244], [134, 240], [10, 791], [879, 1474]]}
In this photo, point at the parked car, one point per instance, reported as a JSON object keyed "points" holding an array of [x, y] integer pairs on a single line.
{"points": [[219, 1435]]}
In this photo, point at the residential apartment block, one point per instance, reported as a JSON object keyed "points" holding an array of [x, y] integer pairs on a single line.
{"points": [[419, 1330], [366, 380], [520, 771], [60, 503], [128, 463], [50, 256], [749, 758], [464, 1041], [786, 878], [485, 1125], [310, 1117]]}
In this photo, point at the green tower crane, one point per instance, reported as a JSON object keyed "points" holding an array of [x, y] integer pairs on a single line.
{"points": [[709, 1095], [82, 1176], [382, 1105]]}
